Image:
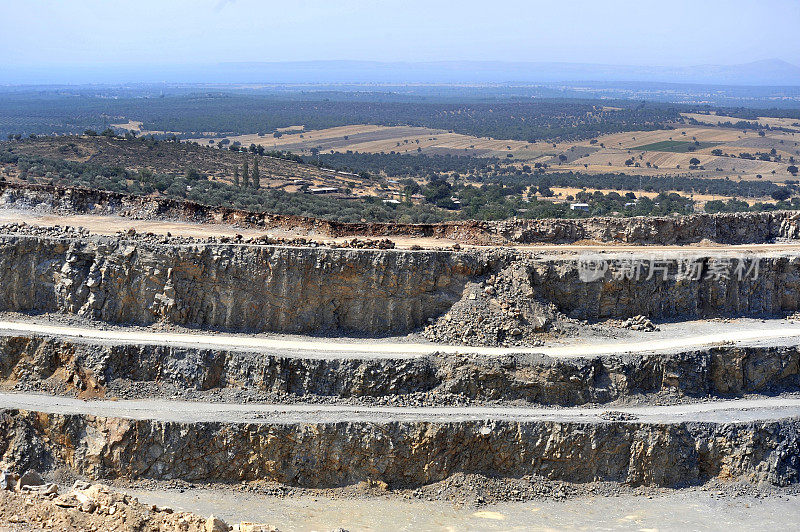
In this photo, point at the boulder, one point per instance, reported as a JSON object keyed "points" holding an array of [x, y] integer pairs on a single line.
{"points": [[8, 480], [29, 479], [215, 524]]}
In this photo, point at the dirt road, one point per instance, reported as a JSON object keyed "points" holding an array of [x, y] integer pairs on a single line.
{"points": [[733, 411], [693, 509], [672, 339]]}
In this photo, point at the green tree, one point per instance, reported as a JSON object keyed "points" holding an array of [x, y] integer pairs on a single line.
{"points": [[256, 174], [245, 174], [236, 176], [781, 194]]}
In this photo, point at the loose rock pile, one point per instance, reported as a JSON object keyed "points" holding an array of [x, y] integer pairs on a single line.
{"points": [[639, 323], [37, 504], [29, 500], [502, 310]]}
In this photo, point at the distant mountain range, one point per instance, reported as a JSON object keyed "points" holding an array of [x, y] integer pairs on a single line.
{"points": [[772, 72]]}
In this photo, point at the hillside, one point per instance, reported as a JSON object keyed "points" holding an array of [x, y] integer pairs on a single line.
{"points": [[163, 157], [369, 187]]}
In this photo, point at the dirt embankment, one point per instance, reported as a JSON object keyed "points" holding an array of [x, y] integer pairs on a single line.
{"points": [[90, 508], [733, 228]]}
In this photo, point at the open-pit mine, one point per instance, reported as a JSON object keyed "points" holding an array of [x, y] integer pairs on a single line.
{"points": [[311, 374]]}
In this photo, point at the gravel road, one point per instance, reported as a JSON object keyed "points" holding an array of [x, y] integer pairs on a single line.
{"points": [[734, 411], [747, 332]]}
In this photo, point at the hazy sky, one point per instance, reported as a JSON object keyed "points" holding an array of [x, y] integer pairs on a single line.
{"points": [[639, 32]]}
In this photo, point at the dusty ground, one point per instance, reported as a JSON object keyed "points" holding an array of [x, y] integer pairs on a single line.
{"points": [[111, 225], [729, 411], [694, 509], [598, 340], [445, 506]]}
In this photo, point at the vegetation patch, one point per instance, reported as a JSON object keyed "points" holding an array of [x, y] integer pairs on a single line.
{"points": [[677, 146]]}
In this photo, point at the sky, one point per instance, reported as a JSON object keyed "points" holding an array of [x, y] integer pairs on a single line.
{"points": [[62, 33]]}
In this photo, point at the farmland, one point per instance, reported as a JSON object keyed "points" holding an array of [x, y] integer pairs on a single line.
{"points": [[398, 148], [723, 152]]}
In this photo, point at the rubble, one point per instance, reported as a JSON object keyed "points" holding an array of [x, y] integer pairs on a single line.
{"points": [[501, 310], [639, 323], [92, 508]]}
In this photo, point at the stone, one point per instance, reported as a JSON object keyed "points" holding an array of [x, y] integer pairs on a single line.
{"points": [[44, 489], [215, 524], [28, 479], [80, 485], [67, 500], [245, 526], [8, 480]]}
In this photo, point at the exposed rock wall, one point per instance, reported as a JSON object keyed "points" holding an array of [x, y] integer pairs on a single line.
{"points": [[298, 289], [728, 228], [255, 288], [403, 454], [67, 367], [771, 288]]}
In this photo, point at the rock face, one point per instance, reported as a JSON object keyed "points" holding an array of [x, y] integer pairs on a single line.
{"points": [[772, 287], [504, 296], [255, 288], [729, 228], [404, 453], [64, 367]]}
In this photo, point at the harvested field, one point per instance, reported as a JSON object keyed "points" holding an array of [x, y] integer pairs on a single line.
{"points": [[377, 139], [666, 150]]}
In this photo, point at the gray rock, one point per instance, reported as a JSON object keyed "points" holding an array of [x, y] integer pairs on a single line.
{"points": [[29, 479], [8, 481]]}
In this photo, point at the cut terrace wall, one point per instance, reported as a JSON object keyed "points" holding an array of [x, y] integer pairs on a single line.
{"points": [[402, 453], [252, 288], [383, 292], [70, 367]]}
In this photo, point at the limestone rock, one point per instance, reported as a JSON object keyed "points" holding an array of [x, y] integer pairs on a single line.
{"points": [[29, 479], [215, 524]]}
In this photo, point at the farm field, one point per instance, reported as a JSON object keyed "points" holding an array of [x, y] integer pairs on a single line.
{"points": [[665, 152], [376, 139], [771, 121], [658, 152], [560, 194]]}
